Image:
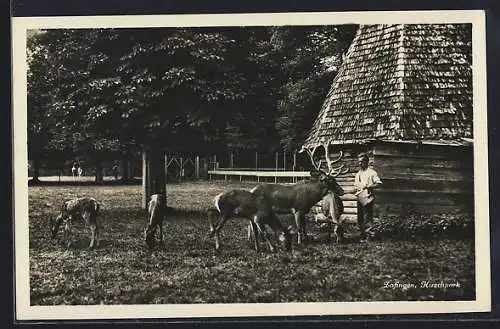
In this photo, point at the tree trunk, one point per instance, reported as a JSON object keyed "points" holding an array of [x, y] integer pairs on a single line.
{"points": [[154, 181], [98, 170], [36, 169], [125, 166]]}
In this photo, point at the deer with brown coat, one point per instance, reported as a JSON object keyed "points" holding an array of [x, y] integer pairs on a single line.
{"points": [[79, 208], [244, 204], [301, 197], [157, 210]]}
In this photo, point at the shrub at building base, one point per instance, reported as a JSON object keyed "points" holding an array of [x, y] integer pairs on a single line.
{"points": [[415, 226]]}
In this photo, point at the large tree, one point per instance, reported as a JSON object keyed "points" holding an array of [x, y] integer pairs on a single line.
{"points": [[197, 90], [311, 57]]}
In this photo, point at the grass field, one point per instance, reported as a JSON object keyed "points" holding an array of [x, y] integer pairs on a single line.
{"points": [[189, 270]]}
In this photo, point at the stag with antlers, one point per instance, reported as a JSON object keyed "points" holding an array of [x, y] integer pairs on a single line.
{"points": [[299, 198]]}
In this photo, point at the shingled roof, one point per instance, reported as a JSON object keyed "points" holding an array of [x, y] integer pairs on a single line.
{"points": [[400, 83]]}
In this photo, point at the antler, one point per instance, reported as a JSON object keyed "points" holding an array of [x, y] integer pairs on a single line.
{"points": [[331, 170], [338, 171], [311, 156]]}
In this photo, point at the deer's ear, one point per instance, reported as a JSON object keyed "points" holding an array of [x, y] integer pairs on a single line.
{"points": [[315, 174], [323, 177]]}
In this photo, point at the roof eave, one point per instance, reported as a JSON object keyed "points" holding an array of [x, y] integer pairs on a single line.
{"points": [[455, 142]]}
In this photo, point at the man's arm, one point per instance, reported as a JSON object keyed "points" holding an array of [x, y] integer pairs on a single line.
{"points": [[375, 181], [357, 182]]}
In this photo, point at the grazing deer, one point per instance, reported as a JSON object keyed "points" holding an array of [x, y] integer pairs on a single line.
{"points": [[157, 213], [332, 208], [299, 198], [244, 204], [84, 208]]}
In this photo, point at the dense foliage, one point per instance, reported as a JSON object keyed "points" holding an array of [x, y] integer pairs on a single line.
{"points": [[97, 92], [418, 226]]}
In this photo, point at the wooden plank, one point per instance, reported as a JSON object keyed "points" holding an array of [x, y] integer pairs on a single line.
{"points": [[423, 151], [425, 174], [348, 210], [348, 197], [347, 204], [349, 218], [350, 204], [415, 162], [424, 198], [254, 173], [402, 185]]}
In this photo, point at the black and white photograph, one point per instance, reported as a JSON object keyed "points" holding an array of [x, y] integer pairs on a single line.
{"points": [[229, 165]]}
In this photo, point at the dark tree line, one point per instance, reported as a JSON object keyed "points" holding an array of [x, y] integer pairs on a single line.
{"points": [[99, 93]]}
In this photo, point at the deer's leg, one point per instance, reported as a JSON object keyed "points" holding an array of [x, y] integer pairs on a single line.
{"points": [[97, 233], [299, 221], [90, 220], [211, 214], [272, 248], [250, 231], [160, 225], [55, 227], [93, 234], [255, 230], [339, 233], [276, 225], [262, 232], [67, 231], [219, 226]]}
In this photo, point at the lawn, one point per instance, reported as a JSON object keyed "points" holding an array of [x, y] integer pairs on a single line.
{"points": [[189, 270]]}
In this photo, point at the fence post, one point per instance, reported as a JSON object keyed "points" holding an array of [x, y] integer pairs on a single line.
{"points": [[256, 160], [197, 167], [284, 160], [276, 177], [166, 166], [182, 169], [294, 164], [144, 179]]}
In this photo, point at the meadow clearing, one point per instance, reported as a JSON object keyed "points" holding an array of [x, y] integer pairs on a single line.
{"points": [[188, 269]]}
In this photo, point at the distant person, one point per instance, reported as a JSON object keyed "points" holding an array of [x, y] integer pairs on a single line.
{"points": [[80, 171], [365, 182], [74, 169], [116, 171]]}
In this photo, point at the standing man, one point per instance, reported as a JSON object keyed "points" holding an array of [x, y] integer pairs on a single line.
{"points": [[365, 181], [116, 171]]}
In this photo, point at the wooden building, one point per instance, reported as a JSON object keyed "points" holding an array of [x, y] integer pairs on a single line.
{"points": [[404, 95]]}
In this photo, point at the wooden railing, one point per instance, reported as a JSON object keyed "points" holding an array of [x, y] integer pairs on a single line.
{"points": [[258, 174]]}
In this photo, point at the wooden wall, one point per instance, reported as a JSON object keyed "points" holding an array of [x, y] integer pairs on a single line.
{"points": [[426, 179]]}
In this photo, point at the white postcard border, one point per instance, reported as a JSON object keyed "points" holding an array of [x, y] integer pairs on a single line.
{"points": [[20, 171]]}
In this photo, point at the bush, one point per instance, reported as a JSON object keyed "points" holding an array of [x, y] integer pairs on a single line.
{"points": [[418, 226]]}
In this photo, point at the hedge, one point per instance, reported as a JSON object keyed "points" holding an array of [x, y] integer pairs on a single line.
{"points": [[423, 227]]}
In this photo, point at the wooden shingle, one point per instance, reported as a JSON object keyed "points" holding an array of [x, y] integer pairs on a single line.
{"points": [[400, 82]]}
